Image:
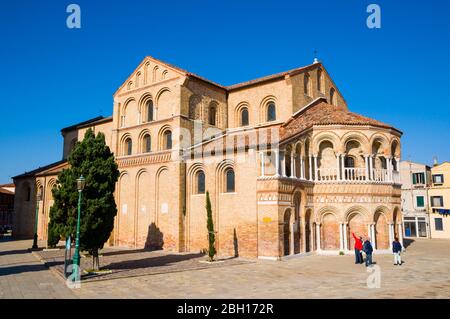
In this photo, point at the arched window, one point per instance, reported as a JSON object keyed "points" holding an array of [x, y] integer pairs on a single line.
{"points": [[147, 143], [306, 84], [271, 112], [244, 117], [28, 193], [333, 96], [319, 80], [167, 140], [349, 162], [128, 146], [229, 174], [212, 115], [150, 111], [200, 182]]}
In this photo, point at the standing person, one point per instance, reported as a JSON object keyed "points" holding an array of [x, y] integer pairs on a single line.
{"points": [[397, 249], [358, 249], [368, 249]]}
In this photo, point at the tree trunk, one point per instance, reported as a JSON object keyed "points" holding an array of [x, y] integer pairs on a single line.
{"points": [[95, 260]]}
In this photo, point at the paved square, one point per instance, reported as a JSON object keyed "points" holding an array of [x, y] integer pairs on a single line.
{"points": [[425, 274]]}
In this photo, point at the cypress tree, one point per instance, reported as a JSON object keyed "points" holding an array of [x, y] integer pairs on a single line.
{"points": [[93, 159], [210, 227]]}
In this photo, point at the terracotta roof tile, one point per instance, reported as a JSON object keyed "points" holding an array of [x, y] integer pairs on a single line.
{"points": [[321, 113]]}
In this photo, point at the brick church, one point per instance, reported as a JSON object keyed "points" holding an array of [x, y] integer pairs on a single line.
{"points": [[290, 170]]}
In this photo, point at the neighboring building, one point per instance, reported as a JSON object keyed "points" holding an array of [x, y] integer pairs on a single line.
{"points": [[289, 168], [439, 193], [415, 178], [6, 204]]}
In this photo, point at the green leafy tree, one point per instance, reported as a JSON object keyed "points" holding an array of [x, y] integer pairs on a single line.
{"points": [[93, 159], [210, 226]]}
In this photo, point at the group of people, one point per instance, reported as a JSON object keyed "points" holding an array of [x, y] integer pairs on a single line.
{"points": [[364, 245]]}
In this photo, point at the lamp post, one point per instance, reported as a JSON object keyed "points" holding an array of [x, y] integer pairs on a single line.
{"points": [[81, 182], [35, 237]]}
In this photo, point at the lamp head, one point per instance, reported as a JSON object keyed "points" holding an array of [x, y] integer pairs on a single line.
{"points": [[81, 182]]}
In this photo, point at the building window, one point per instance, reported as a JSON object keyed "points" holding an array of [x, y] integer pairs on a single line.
{"points": [[418, 178], [147, 144], [200, 182], [212, 115], [28, 194], [437, 201], [271, 112], [230, 187], [306, 84], [128, 146], [438, 224], [244, 117], [333, 96], [167, 140], [420, 201], [319, 80], [150, 111], [438, 179]]}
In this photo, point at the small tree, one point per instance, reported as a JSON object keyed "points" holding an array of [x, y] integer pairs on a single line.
{"points": [[210, 227], [93, 159]]}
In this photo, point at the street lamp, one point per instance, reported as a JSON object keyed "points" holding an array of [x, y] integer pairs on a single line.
{"points": [[35, 237], [81, 182]]}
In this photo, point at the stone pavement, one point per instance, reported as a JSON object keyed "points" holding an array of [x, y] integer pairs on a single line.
{"points": [[126, 263], [23, 276], [425, 274]]}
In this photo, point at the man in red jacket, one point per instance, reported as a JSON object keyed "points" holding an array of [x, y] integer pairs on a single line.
{"points": [[358, 249]]}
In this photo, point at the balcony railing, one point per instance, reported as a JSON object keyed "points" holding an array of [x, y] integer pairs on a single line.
{"points": [[354, 174]]}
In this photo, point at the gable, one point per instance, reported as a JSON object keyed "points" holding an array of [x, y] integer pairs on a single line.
{"points": [[149, 71]]}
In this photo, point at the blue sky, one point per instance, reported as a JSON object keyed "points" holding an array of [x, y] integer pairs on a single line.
{"points": [[52, 76]]}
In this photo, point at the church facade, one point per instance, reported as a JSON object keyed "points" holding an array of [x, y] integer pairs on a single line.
{"points": [[288, 167]]}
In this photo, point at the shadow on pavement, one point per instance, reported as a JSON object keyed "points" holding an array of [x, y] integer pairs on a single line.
{"points": [[14, 252], [151, 261], [5, 271], [407, 242]]}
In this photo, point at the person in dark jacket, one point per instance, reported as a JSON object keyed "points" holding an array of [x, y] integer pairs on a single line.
{"points": [[397, 250], [368, 249], [358, 249]]}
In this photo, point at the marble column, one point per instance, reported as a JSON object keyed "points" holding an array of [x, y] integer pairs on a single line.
{"points": [[310, 168], [292, 165], [400, 233], [261, 154], [366, 163], [391, 235], [316, 175], [344, 229], [318, 237], [302, 168], [341, 236], [277, 163], [338, 166], [291, 248], [373, 236], [343, 166], [283, 163]]}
